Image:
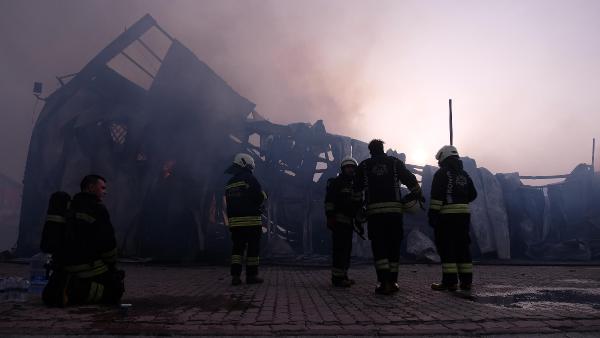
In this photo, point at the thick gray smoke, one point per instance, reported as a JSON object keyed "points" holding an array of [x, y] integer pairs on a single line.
{"points": [[508, 66], [296, 61]]}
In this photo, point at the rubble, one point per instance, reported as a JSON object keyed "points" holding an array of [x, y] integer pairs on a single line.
{"points": [[10, 203], [421, 247], [162, 126]]}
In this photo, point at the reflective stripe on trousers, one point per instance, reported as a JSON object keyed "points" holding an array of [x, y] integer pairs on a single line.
{"points": [[449, 268], [252, 261], [236, 259], [382, 264], [465, 267], [336, 272]]}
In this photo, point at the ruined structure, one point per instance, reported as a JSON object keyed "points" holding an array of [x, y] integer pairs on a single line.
{"points": [[10, 204], [161, 126]]}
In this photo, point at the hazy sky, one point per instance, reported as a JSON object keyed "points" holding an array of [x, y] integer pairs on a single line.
{"points": [[524, 75]]}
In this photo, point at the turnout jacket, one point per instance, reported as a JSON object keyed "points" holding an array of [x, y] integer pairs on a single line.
{"points": [[342, 201], [89, 247], [380, 177], [451, 190], [53, 233], [244, 198]]}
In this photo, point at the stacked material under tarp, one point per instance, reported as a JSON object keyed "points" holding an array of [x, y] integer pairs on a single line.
{"points": [[10, 204], [556, 222], [489, 221]]}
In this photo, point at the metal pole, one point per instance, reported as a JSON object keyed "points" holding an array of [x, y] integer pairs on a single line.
{"points": [[450, 122], [593, 153]]}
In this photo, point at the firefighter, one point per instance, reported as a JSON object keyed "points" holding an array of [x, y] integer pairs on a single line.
{"points": [[342, 203], [53, 232], [244, 199], [379, 177], [451, 192], [84, 269]]}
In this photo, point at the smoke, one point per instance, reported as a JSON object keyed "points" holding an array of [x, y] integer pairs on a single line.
{"points": [[298, 61], [368, 69]]}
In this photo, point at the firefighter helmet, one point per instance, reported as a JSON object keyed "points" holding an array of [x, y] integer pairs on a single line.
{"points": [[348, 161], [244, 160], [445, 152]]}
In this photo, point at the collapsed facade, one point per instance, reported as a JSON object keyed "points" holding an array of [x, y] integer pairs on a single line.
{"points": [[161, 126], [10, 205]]}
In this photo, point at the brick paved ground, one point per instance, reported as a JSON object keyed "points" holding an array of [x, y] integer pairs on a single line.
{"points": [[199, 301]]}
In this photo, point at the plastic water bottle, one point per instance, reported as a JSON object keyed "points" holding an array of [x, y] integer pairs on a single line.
{"points": [[3, 290], [38, 273], [22, 287], [13, 289]]}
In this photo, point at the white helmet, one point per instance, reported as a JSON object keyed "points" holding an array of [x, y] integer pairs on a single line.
{"points": [[348, 161], [244, 161], [445, 152]]}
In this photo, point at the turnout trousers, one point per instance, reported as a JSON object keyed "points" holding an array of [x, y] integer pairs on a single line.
{"points": [[65, 288], [452, 241], [245, 239], [386, 232], [342, 250]]}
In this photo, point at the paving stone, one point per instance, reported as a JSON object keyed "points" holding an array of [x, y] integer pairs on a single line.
{"points": [[300, 301]]}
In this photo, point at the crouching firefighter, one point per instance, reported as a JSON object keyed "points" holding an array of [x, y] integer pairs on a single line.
{"points": [[342, 204], [380, 177], [79, 235], [244, 198], [451, 192]]}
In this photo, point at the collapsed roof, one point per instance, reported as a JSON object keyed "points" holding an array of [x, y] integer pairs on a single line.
{"points": [[161, 126]]}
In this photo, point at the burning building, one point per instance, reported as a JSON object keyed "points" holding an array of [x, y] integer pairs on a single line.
{"points": [[10, 203], [161, 126]]}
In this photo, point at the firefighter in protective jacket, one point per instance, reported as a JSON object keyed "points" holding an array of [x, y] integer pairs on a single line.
{"points": [[342, 203], [82, 242], [451, 192], [244, 199], [380, 177]]}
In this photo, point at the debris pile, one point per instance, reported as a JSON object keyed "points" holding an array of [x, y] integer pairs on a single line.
{"points": [[161, 126]]}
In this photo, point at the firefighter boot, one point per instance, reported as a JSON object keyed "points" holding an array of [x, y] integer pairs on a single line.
{"points": [[443, 287], [254, 280], [340, 282], [385, 288], [465, 275], [449, 278], [394, 281], [466, 287], [236, 280]]}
